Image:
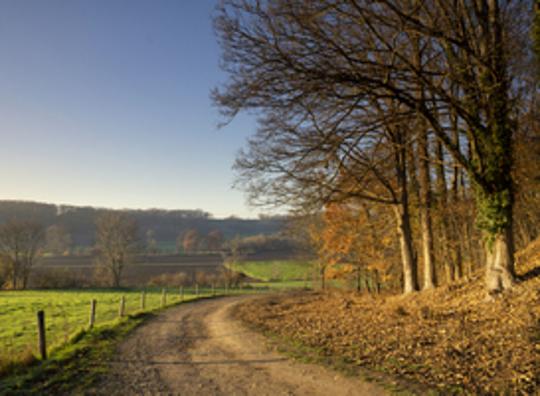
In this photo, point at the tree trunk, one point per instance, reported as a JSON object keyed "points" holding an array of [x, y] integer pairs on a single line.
{"points": [[322, 274], [377, 281], [358, 280], [493, 156], [366, 283], [425, 211], [403, 225], [410, 276], [116, 272], [500, 262], [15, 275]]}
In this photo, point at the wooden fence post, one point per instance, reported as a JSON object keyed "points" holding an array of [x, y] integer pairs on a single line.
{"points": [[163, 297], [197, 289], [143, 300], [41, 335], [122, 306], [92, 314]]}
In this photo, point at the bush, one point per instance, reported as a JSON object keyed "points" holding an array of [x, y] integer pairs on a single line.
{"points": [[203, 278], [229, 278], [58, 278], [169, 280]]}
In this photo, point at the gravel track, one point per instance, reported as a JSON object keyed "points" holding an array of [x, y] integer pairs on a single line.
{"points": [[199, 349]]}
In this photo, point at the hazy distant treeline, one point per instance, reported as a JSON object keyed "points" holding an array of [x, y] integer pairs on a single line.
{"points": [[165, 225]]}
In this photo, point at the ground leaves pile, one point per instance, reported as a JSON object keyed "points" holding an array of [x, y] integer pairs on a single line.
{"points": [[452, 338]]}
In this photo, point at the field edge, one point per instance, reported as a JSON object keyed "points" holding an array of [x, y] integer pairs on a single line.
{"points": [[80, 363]]}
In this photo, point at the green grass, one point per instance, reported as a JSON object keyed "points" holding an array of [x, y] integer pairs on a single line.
{"points": [[276, 270], [66, 313], [76, 365], [284, 274]]}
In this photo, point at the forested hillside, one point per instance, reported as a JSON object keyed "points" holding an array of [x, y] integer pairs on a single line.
{"points": [[165, 226]]}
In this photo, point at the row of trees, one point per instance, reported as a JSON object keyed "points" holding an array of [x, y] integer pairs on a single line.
{"points": [[23, 241], [117, 243], [423, 113]]}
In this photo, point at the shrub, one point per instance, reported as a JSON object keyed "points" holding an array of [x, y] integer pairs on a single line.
{"points": [[58, 278], [169, 280]]}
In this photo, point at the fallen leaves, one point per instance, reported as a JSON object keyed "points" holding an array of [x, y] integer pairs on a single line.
{"points": [[447, 338]]}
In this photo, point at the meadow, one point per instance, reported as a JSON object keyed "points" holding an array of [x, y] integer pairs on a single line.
{"points": [[276, 270], [67, 312]]}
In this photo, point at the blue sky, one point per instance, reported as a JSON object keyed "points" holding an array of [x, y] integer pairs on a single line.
{"points": [[106, 103]]}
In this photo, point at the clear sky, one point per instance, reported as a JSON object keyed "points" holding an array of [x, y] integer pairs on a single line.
{"points": [[106, 103]]}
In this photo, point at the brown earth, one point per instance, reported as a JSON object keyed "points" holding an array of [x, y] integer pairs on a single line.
{"points": [[451, 339], [199, 349]]}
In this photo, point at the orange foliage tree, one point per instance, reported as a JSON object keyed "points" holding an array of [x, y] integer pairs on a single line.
{"points": [[355, 237]]}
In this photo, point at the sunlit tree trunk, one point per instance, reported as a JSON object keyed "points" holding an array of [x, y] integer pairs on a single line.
{"points": [[493, 154], [410, 277], [401, 211], [425, 211]]}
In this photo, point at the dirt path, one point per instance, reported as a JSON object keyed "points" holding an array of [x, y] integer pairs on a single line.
{"points": [[198, 349]]}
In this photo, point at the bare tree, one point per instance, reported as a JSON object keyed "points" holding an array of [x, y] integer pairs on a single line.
{"points": [[58, 239], [116, 241], [317, 70], [20, 245]]}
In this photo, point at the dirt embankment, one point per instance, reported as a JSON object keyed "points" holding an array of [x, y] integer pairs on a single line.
{"points": [[451, 338], [199, 349]]}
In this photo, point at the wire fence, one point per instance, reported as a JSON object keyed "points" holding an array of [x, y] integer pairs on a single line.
{"points": [[68, 312]]}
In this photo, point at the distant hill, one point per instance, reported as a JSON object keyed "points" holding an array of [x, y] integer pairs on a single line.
{"points": [[166, 225]]}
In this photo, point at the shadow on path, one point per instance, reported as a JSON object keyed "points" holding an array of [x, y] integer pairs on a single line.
{"points": [[204, 363]]}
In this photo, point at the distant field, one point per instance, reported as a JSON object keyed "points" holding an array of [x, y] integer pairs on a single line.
{"points": [[136, 274], [66, 312], [276, 270]]}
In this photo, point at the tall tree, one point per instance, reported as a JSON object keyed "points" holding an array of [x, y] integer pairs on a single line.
{"points": [[117, 242], [58, 239], [20, 244], [300, 61]]}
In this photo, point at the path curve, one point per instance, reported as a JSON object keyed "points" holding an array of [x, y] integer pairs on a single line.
{"points": [[199, 349]]}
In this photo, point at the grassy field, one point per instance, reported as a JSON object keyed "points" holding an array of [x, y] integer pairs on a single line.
{"points": [[276, 270], [66, 313], [285, 275]]}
